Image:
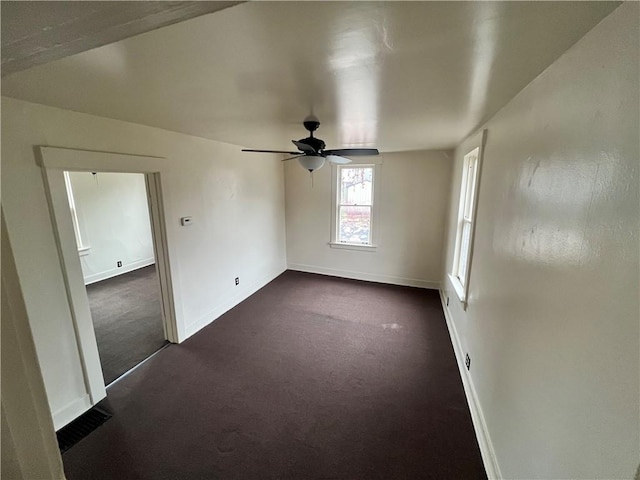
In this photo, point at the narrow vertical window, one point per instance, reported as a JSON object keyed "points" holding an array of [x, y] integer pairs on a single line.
{"points": [[354, 204], [74, 214], [466, 217]]}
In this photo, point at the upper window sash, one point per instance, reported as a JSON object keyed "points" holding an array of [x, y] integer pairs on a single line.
{"points": [[343, 191], [471, 172]]}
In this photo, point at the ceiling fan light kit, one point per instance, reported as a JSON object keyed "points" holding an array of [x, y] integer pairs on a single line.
{"points": [[312, 154], [311, 162]]}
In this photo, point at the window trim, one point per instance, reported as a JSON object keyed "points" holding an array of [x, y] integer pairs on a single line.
{"points": [[335, 191], [83, 248], [467, 214]]}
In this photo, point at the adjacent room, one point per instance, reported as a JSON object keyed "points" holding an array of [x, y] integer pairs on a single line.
{"points": [[311, 240], [112, 228]]}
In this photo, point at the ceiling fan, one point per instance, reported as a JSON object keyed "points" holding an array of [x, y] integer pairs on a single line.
{"points": [[312, 153]]}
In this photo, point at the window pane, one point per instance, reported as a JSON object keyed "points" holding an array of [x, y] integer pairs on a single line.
{"points": [[354, 225], [469, 191], [356, 186], [72, 207], [464, 252]]}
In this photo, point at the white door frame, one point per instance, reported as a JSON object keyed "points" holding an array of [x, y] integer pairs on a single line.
{"points": [[54, 161]]}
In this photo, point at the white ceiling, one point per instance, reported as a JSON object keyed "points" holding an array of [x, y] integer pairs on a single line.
{"points": [[396, 75]]}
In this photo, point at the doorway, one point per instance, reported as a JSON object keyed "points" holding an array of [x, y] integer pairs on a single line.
{"points": [[113, 233], [54, 162]]}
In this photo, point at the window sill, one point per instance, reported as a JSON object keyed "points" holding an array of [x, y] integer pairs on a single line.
{"points": [[353, 246], [460, 290], [84, 251]]}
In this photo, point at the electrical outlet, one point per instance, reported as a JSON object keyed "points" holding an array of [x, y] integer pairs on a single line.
{"points": [[467, 361], [119, 263], [237, 280]]}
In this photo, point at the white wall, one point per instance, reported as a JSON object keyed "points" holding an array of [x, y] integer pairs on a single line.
{"points": [[236, 202], [412, 197], [29, 447], [552, 325], [113, 218]]}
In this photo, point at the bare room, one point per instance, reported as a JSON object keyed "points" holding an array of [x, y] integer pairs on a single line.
{"points": [[312, 240], [114, 239]]}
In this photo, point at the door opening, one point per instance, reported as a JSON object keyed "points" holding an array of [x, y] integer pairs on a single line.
{"points": [[113, 231], [54, 162]]}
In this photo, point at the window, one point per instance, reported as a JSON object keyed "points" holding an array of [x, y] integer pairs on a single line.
{"points": [[82, 248], [466, 216], [353, 218]]}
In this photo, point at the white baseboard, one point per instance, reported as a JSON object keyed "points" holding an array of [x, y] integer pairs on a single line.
{"points": [[98, 277], [369, 277], [482, 433], [231, 302], [71, 411]]}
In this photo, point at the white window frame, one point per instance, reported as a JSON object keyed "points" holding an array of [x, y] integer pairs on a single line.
{"points": [[468, 205], [83, 248], [335, 207]]}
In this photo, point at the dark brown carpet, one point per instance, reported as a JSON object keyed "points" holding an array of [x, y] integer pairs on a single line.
{"points": [[127, 320], [312, 377]]}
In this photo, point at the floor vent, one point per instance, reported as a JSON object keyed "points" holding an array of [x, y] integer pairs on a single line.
{"points": [[82, 426]]}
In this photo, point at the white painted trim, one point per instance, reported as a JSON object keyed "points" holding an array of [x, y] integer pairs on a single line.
{"points": [[72, 411], [173, 329], [90, 161], [114, 272], [479, 145], [366, 160], [353, 246], [479, 424], [231, 302], [368, 277], [54, 161], [74, 284], [375, 202], [457, 286]]}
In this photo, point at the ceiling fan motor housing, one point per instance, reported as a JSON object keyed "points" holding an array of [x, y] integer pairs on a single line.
{"points": [[316, 143]]}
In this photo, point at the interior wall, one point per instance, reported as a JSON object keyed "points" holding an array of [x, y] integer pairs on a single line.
{"points": [[412, 191], [113, 218], [238, 225], [552, 324], [29, 447]]}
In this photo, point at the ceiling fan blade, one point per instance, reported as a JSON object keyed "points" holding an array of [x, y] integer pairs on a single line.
{"points": [[292, 158], [304, 147], [271, 151], [352, 152], [338, 160]]}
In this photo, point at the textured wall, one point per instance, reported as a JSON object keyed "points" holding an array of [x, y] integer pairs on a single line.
{"points": [[552, 324]]}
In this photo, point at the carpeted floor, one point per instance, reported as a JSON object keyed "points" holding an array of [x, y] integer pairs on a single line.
{"points": [[127, 320], [312, 377]]}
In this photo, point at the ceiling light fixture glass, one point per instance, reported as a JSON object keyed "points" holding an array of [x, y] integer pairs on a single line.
{"points": [[311, 162]]}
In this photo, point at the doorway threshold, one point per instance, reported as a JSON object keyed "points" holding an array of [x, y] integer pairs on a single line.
{"points": [[139, 364]]}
